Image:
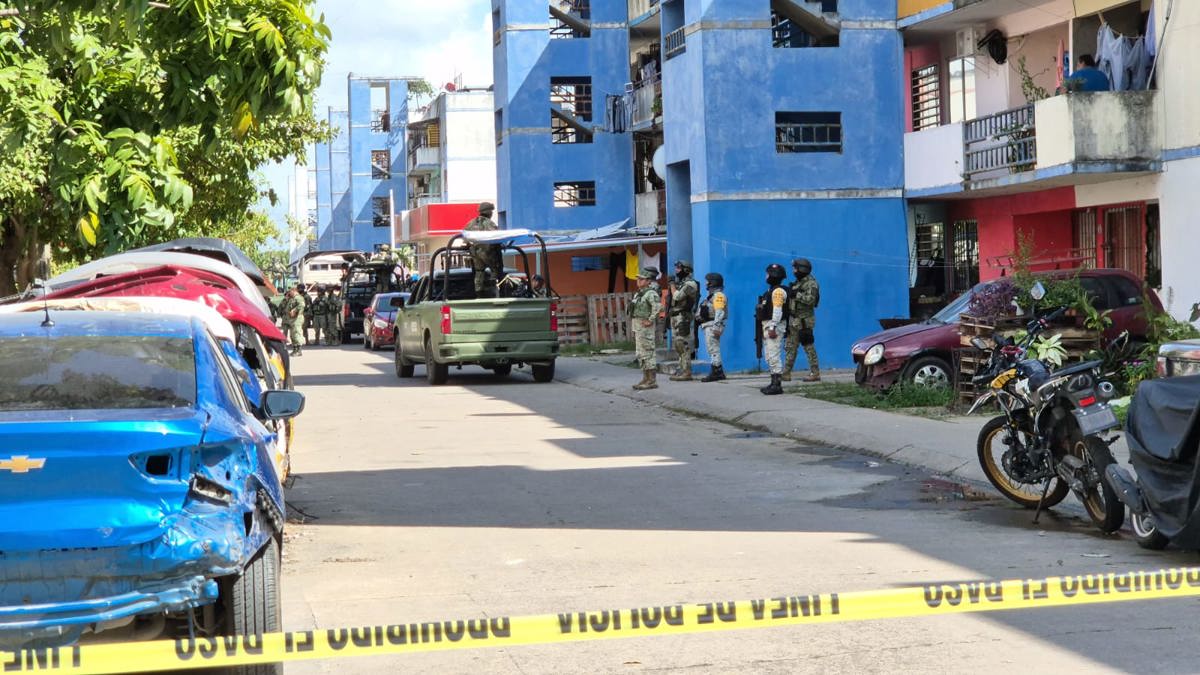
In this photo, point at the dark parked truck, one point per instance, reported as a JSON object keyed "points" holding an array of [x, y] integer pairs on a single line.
{"points": [[445, 324], [363, 281]]}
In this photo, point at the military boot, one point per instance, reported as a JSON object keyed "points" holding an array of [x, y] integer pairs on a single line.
{"points": [[787, 369], [651, 381], [774, 387], [717, 374], [641, 384], [814, 376], [684, 374]]}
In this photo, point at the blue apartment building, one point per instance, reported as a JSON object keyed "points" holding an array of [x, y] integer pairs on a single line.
{"points": [[777, 125], [361, 173]]}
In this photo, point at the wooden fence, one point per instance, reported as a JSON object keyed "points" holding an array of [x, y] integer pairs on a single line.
{"points": [[594, 319]]}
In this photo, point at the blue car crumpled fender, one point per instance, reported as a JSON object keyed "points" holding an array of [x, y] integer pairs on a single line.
{"points": [[120, 514]]}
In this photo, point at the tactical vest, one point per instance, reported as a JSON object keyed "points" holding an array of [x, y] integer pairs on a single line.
{"points": [[765, 309]]}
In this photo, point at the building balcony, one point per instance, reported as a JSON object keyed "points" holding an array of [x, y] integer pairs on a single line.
{"points": [[425, 199], [650, 209], [639, 9], [1075, 139], [644, 103], [424, 159]]}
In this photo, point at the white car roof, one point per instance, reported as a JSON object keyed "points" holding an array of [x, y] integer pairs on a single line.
{"points": [[212, 319], [123, 263]]}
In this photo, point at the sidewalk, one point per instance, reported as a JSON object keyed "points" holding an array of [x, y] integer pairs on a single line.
{"points": [[945, 446]]}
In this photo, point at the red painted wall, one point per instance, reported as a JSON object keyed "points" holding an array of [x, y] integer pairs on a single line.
{"points": [[1045, 214], [438, 219], [566, 282], [914, 58]]}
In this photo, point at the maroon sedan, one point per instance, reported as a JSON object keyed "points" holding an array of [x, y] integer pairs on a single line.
{"points": [[921, 353], [379, 320]]}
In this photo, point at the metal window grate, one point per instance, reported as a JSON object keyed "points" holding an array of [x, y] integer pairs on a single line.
{"points": [[1084, 236], [380, 216], [926, 97], [381, 161], [1124, 240], [580, 9], [573, 97], [808, 132], [380, 120], [674, 44], [575, 193], [966, 255]]}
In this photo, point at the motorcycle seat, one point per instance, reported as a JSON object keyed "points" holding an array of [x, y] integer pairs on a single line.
{"points": [[1084, 367]]}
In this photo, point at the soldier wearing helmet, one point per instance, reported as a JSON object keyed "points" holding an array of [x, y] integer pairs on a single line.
{"points": [[805, 296], [685, 293], [772, 314], [319, 308], [712, 319], [485, 257], [643, 317]]}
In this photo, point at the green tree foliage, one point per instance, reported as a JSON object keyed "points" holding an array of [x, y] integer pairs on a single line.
{"points": [[125, 122]]}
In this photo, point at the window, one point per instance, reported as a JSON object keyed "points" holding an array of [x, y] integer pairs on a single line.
{"points": [[1084, 237], [381, 162], [926, 97], [808, 132], [965, 244], [570, 107], [576, 193], [497, 27], [499, 127], [962, 90], [380, 110], [570, 19], [380, 212], [588, 263], [97, 372], [1128, 293], [788, 32]]}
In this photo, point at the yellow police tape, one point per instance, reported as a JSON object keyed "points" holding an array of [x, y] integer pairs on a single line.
{"points": [[916, 601]]}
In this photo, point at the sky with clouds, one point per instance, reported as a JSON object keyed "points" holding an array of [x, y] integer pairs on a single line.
{"points": [[433, 39]]}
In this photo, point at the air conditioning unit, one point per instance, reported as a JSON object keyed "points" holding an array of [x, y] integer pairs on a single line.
{"points": [[966, 41]]}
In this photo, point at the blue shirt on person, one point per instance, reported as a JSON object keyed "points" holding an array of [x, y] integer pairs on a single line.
{"points": [[1090, 79]]}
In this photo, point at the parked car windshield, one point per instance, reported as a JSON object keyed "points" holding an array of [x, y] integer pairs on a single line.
{"points": [[96, 373], [951, 312]]}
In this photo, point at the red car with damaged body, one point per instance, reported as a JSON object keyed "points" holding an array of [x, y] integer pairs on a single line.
{"points": [[379, 320], [922, 353]]}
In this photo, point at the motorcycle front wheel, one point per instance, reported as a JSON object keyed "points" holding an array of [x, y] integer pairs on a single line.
{"points": [[1106, 510], [991, 448], [1145, 531]]}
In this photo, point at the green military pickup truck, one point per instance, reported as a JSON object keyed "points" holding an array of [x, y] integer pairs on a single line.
{"points": [[444, 324]]}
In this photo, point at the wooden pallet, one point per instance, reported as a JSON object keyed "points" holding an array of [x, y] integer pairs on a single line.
{"points": [[1077, 342]]}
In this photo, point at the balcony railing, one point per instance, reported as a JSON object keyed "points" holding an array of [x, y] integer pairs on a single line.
{"points": [[674, 43], [650, 208], [424, 157], [380, 120], [1001, 141]]}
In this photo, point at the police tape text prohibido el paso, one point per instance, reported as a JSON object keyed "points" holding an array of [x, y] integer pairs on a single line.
{"points": [[650, 620]]}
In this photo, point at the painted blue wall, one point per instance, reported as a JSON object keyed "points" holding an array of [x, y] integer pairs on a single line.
{"points": [[324, 198], [338, 234], [528, 164], [364, 235], [751, 205]]}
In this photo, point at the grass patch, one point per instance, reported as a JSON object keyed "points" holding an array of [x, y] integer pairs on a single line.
{"points": [[909, 399]]}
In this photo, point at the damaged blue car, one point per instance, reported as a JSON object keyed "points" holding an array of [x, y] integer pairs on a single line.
{"points": [[138, 495]]}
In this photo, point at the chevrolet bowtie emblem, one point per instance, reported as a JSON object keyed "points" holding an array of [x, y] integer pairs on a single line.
{"points": [[21, 464]]}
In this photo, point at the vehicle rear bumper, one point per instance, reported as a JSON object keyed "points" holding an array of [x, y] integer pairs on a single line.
{"points": [[498, 352], [62, 622]]}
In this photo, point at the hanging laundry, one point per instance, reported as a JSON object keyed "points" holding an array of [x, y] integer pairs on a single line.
{"points": [[1126, 61], [646, 260], [1151, 34], [631, 264]]}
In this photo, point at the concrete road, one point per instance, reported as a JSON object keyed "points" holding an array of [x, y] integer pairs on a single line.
{"points": [[491, 497]]}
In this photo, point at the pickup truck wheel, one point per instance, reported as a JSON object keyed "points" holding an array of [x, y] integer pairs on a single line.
{"points": [[435, 372], [403, 367], [251, 602], [502, 370], [543, 373]]}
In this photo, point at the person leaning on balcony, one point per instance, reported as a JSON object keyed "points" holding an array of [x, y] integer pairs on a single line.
{"points": [[1087, 77]]}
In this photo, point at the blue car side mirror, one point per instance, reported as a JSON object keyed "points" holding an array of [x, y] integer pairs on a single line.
{"points": [[281, 404]]}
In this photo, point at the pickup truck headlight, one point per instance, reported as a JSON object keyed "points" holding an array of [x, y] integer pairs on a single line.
{"points": [[874, 355]]}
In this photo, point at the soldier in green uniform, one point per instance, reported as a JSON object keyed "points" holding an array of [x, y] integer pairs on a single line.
{"points": [[485, 256], [685, 292], [333, 314], [293, 318], [643, 314], [318, 312], [805, 296]]}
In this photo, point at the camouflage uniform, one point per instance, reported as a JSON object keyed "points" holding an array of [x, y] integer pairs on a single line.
{"points": [[318, 315], [713, 314], [485, 256], [806, 295], [772, 313], [643, 312], [684, 293], [293, 318], [333, 309]]}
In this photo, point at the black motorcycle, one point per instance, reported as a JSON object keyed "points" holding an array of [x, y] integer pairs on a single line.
{"points": [[1055, 433], [1163, 433]]}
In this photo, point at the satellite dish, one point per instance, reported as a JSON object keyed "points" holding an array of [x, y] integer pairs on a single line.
{"points": [[659, 162]]}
